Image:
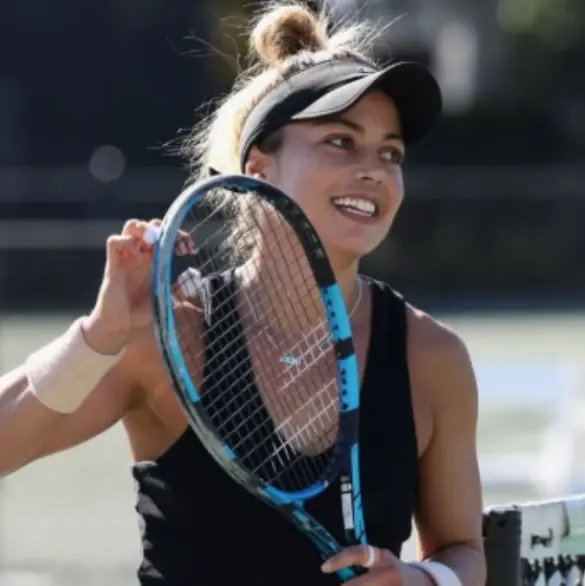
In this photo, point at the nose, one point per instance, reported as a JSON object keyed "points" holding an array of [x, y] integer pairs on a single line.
{"points": [[370, 169], [374, 174]]}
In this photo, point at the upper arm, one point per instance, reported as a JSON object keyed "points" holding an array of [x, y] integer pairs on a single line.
{"points": [[116, 394], [449, 509]]}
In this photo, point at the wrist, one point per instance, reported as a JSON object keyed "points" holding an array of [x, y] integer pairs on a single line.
{"points": [[102, 337], [419, 577], [64, 372], [438, 573]]}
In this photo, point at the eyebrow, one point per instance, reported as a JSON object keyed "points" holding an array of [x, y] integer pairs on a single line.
{"points": [[338, 119]]}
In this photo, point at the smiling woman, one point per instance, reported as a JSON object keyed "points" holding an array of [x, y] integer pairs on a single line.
{"points": [[315, 117], [344, 171]]}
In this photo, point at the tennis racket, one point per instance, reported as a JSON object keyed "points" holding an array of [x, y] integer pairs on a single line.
{"points": [[257, 342]]}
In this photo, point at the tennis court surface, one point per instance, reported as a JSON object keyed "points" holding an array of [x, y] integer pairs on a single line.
{"points": [[69, 520]]}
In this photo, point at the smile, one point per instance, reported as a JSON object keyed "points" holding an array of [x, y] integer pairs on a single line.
{"points": [[357, 206]]}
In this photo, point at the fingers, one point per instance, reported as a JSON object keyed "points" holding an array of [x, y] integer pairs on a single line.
{"points": [[138, 228], [185, 244], [189, 283], [383, 566], [123, 249], [366, 556], [378, 576], [129, 247], [372, 556]]}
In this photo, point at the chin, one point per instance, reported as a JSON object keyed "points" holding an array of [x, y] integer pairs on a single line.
{"points": [[347, 253]]}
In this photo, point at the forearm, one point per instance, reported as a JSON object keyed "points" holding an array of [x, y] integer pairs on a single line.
{"points": [[25, 423], [466, 560], [52, 383]]}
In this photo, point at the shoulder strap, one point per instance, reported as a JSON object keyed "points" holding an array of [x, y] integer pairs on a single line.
{"points": [[387, 430]]}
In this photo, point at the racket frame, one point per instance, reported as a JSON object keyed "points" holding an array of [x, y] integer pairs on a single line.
{"points": [[345, 461]]}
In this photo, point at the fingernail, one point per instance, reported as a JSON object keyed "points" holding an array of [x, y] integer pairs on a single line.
{"points": [[326, 567]]}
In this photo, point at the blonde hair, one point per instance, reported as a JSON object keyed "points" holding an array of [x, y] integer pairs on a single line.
{"points": [[284, 38]]}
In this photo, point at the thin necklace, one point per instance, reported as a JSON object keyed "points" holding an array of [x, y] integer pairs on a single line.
{"points": [[290, 359]]}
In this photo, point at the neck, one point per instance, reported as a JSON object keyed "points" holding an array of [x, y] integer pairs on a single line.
{"points": [[346, 275]]}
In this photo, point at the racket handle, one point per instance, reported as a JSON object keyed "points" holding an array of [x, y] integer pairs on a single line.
{"points": [[346, 574]]}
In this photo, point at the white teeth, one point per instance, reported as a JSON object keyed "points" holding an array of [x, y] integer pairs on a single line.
{"points": [[360, 206]]}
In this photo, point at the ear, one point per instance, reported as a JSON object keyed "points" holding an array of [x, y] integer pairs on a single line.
{"points": [[258, 163]]}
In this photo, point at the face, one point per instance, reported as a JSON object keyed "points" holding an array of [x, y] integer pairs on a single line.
{"points": [[345, 173]]}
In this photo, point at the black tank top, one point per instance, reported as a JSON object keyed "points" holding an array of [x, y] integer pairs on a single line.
{"points": [[199, 527]]}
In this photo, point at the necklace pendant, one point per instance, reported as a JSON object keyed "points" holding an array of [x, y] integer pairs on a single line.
{"points": [[290, 360]]}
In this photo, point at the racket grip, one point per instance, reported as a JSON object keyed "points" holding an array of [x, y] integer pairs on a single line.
{"points": [[346, 574]]}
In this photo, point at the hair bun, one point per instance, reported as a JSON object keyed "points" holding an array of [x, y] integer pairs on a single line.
{"points": [[285, 31]]}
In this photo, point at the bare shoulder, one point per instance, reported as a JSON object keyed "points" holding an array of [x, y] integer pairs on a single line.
{"points": [[434, 338], [439, 358]]}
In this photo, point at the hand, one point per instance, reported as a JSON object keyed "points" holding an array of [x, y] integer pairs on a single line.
{"points": [[123, 304], [384, 568]]}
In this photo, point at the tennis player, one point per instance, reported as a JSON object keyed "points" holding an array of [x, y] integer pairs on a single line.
{"points": [[319, 120]]}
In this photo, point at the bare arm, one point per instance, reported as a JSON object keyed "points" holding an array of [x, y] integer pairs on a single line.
{"points": [[81, 376], [449, 512], [30, 430]]}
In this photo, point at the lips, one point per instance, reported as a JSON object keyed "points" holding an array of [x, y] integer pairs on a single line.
{"points": [[355, 205]]}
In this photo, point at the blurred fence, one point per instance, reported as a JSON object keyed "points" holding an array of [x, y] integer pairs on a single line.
{"points": [[495, 235]]}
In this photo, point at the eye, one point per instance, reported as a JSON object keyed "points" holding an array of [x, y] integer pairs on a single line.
{"points": [[393, 155], [341, 142]]}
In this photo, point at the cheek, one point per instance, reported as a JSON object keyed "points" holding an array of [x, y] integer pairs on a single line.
{"points": [[396, 187], [307, 181], [310, 191]]}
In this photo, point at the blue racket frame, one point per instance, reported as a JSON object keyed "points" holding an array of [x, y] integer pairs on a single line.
{"points": [[346, 455]]}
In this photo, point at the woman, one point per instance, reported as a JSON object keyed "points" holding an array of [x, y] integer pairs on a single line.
{"points": [[317, 119]]}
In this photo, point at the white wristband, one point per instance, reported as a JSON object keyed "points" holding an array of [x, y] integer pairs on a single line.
{"points": [[64, 372], [441, 574]]}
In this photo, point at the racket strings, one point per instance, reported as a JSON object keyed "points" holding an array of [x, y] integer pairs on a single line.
{"points": [[262, 371], [323, 417], [317, 349], [256, 446], [290, 368], [279, 418], [274, 285], [289, 422], [298, 369], [296, 273], [261, 434], [291, 439], [246, 420], [239, 406], [193, 278], [294, 370]]}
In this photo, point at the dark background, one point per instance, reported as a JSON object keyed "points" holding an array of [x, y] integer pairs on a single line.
{"points": [[90, 92]]}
